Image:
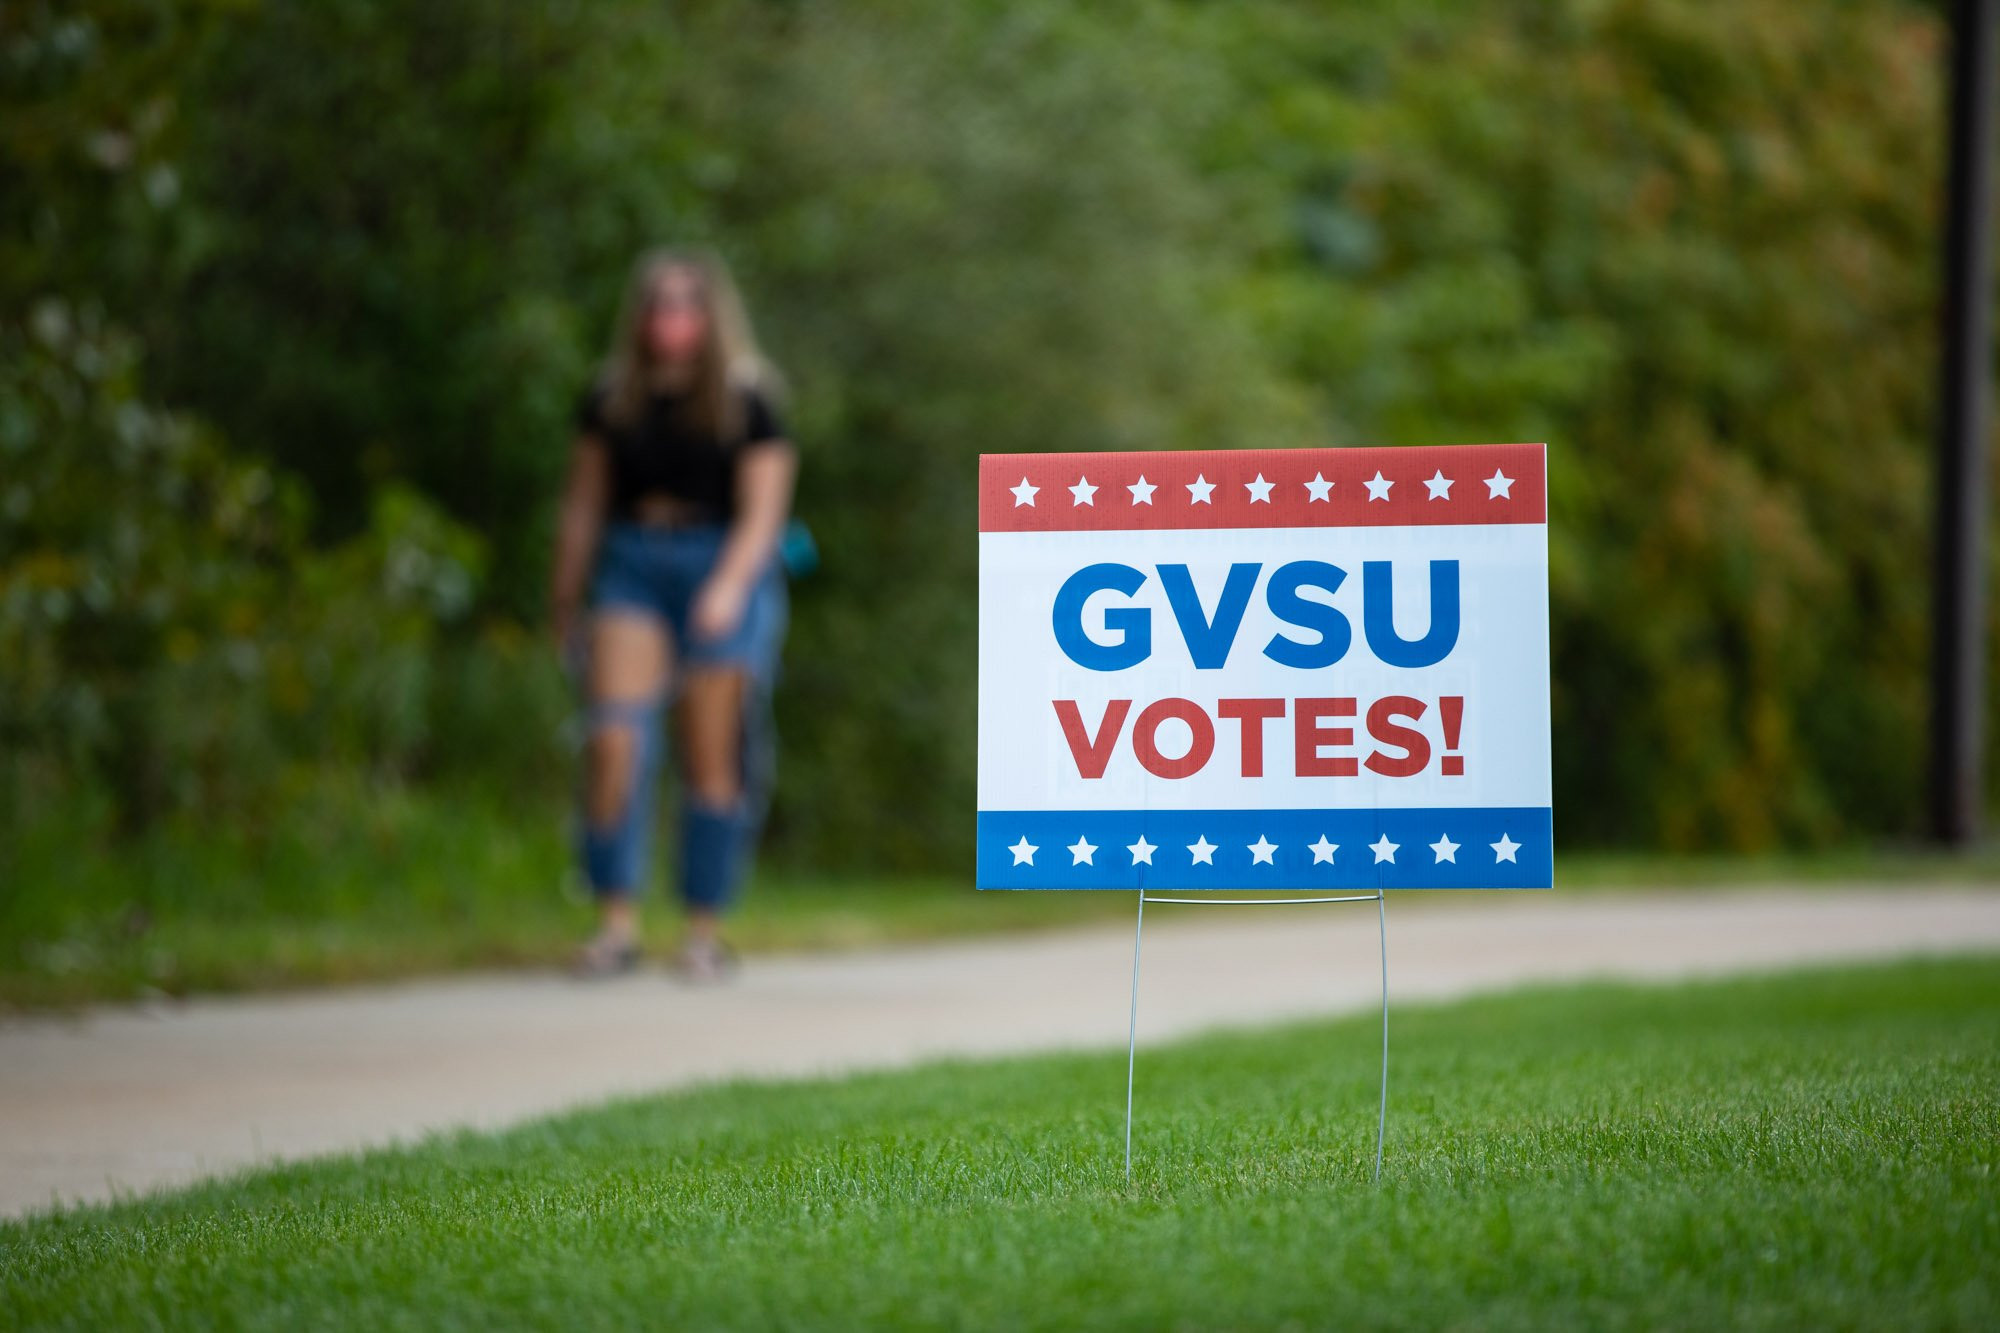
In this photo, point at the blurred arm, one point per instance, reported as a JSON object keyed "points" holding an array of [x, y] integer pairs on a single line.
{"points": [[579, 522], [764, 478]]}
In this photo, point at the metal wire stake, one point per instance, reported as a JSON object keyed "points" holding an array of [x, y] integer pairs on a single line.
{"points": [[1261, 902], [1132, 1042], [1132, 1045], [1382, 1123]]}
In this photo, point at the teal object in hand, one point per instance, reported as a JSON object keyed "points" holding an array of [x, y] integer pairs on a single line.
{"points": [[798, 550]]}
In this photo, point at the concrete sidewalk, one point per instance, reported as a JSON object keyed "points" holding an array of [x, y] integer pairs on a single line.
{"points": [[129, 1099]]}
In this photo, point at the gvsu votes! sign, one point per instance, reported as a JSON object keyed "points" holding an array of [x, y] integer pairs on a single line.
{"points": [[1283, 669]]}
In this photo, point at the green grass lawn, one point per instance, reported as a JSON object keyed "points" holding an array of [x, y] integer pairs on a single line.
{"points": [[1819, 1149], [372, 883]]}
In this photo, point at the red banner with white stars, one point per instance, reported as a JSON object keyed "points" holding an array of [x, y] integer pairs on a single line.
{"points": [[1262, 488]]}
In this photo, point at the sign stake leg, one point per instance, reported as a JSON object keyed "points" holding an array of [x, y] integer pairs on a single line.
{"points": [[1382, 1122], [1132, 1036], [1132, 1044]]}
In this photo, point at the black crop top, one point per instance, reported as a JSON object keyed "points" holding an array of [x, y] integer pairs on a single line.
{"points": [[661, 454]]}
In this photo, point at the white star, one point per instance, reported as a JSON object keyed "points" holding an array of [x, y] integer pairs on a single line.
{"points": [[1024, 851], [1445, 850], [1141, 850], [1260, 851], [1024, 494], [1318, 487], [1439, 485], [1323, 850], [1497, 484], [1260, 490], [1384, 849], [1203, 849], [1080, 852], [1504, 849], [1198, 490], [1142, 491], [1378, 489], [1083, 491]]}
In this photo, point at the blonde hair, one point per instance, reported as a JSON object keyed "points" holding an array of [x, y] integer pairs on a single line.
{"points": [[728, 363]]}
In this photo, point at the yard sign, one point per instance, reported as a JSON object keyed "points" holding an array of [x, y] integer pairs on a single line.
{"points": [[1264, 669]]}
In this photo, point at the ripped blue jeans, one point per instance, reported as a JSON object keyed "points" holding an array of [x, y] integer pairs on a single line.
{"points": [[658, 570]]}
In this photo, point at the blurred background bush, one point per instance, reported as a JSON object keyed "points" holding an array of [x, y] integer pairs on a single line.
{"points": [[297, 299]]}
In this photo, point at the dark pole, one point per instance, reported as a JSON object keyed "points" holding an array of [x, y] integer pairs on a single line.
{"points": [[1958, 649]]}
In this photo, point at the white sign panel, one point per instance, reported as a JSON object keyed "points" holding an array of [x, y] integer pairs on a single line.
{"points": [[1283, 669]]}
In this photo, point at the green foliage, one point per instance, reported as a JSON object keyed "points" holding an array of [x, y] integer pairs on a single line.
{"points": [[90, 183], [1814, 1150], [171, 644], [167, 632], [1690, 246], [378, 284]]}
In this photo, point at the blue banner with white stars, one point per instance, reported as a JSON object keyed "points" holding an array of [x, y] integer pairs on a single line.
{"points": [[1481, 848]]}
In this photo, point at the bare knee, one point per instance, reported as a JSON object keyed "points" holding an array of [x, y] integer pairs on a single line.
{"points": [[614, 753], [715, 786], [711, 765]]}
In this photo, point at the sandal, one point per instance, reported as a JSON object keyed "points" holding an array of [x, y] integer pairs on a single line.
{"points": [[608, 954], [705, 963]]}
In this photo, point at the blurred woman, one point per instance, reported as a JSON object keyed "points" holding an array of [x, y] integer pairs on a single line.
{"points": [[680, 481]]}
